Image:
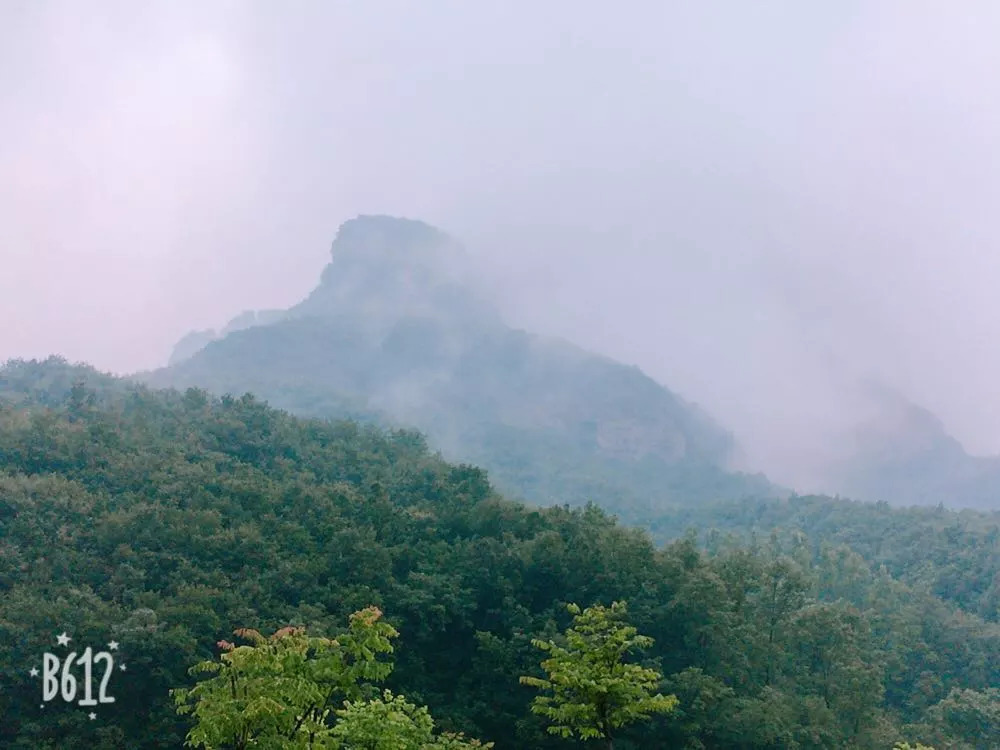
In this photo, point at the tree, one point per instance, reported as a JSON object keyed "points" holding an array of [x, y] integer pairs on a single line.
{"points": [[592, 692], [969, 715], [386, 723], [278, 692], [392, 723], [705, 713]]}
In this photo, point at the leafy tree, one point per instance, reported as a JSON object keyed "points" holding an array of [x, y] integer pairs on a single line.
{"points": [[278, 691], [390, 722], [705, 711], [385, 723], [458, 741], [834, 664], [592, 691], [971, 715], [782, 593]]}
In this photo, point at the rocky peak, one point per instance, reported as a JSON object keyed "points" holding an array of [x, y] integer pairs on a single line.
{"points": [[384, 268]]}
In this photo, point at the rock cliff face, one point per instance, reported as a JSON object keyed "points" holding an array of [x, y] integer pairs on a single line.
{"points": [[387, 268], [394, 333]]}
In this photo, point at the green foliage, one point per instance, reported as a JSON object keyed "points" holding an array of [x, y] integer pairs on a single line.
{"points": [[591, 690], [458, 741], [385, 723], [164, 520], [952, 554], [279, 691], [390, 722], [971, 716]]}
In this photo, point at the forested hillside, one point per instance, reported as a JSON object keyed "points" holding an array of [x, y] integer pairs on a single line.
{"points": [[166, 520], [396, 335], [954, 555]]}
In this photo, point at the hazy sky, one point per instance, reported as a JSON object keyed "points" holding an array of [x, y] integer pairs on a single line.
{"points": [[758, 203]]}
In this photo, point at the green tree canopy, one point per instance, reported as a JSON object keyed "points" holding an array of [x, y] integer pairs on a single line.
{"points": [[590, 691], [390, 722], [278, 692]]}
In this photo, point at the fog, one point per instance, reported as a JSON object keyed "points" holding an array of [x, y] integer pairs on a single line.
{"points": [[760, 204]]}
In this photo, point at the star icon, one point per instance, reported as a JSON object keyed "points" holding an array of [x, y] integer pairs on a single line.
{"points": [[63, 639], [113, 646], [122, 667], [34, 672], [92, 715]]}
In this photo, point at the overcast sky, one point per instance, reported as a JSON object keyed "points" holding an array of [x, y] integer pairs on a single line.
{"points": [[758, 203]]}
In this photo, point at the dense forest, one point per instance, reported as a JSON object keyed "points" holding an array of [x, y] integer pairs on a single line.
{"points": [[954, 555], [167, 520]]}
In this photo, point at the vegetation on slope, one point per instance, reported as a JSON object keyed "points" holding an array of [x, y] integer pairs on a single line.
{"points": [[167, 520], [952, 555]]}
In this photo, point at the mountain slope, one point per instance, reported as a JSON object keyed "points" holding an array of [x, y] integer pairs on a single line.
{"points": [[393, 334], [166, 520]]}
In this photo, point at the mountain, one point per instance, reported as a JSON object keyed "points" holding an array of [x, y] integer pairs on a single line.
{"points": [[395, 334], [195, 341], [901, 453]]}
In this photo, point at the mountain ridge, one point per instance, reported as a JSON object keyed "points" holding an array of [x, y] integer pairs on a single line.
{"points": [[395, 333]]}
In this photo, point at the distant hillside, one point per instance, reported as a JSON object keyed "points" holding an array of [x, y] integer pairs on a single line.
{"points": [[393, 334], [953, 554], [902, 454]]}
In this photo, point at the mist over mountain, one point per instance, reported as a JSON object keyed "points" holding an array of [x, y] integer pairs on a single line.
{"points": [[759, 211], [402, 330], [397, 333], [901, 453]]}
